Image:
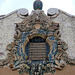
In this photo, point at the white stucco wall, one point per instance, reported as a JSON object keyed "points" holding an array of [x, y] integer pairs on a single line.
{"points": [[67, 30], [7, 31]]}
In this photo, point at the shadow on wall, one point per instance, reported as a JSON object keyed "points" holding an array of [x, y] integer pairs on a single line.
{"points": [[68, 70]]}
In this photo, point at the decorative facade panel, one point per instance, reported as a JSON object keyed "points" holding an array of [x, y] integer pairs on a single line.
{"points": [[37, 47]]}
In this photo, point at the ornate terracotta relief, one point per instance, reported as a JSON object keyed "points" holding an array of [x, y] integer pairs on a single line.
{"points": [[36, 25], [37, 47]]}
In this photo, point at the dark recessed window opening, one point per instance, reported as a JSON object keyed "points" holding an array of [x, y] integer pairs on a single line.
{"points": [[37, 49]]}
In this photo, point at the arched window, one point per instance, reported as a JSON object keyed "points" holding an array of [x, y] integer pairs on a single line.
{"points": [[37, 49]]}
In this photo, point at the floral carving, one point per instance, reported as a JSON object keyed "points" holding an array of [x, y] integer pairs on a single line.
{"points": [[17, 57]]}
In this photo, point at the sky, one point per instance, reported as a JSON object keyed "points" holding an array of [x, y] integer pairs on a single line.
{"points": [[7, 6]]}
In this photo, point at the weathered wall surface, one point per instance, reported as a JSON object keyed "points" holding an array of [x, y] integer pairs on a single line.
{"points": [[7, 31], [67, 30]]}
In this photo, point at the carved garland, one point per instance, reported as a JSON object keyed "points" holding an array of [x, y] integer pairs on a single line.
{"points": [[17, 57]]}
